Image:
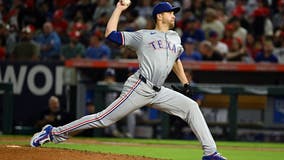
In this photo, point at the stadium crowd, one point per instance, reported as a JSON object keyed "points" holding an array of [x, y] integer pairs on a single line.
{"points": [[220, 30]]}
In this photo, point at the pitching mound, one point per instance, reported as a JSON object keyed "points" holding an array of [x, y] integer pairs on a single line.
{"points": [[15, 152]]}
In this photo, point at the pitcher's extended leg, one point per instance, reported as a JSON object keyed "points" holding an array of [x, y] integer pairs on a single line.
{"points": [[118, 109], [179, 105]]}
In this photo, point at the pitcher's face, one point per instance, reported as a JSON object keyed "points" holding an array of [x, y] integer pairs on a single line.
{"points": [[169, 19]]}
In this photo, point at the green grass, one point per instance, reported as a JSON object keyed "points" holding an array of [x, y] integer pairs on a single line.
{"points": [[182, 150], [172, 149], [165, 153]]}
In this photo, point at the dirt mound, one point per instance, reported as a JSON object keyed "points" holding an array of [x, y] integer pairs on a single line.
{"points": [[15, 152]]}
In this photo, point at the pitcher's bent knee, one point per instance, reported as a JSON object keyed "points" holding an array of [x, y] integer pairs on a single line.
{"points": [[191, 108]]}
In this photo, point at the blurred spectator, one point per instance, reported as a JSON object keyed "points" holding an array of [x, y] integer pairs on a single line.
{"points": [[2, 10], [53, 115], [50, 4], [63, 3], [3, 35], [211, 22], [69, 9], [209, 3], [101, 22], [144, 8], [78, 16], [103, 6], [267, 54], [208, 53], [239, 31], [240, 12], [198, 8], [219, 46], [74, 49], [13, 14], [79, 26], [2, 52], [278, 38], [85, 33], [139, 21], [12, 38], [261, 24], [229, 5], [237, 52], [109, 79], [186, 14], [252, 46], [135, 21], [186, 4], [190, 52], [90, 108], [228, 35], [124, 23], [26, 49], [29, 14], [86, 8], [278, 18], [60, 25], [50, 43], [251, 5], [192, 30], [44, 14], [220, 13], [279, 50], [97, 49]]}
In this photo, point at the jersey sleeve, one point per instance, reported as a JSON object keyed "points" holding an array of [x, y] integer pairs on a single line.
{"points": [[132, 39]]}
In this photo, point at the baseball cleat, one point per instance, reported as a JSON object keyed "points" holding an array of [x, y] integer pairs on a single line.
{"points": [[42, 137], [214, 156]]}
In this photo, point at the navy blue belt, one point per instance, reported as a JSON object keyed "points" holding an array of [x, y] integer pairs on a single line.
{"points": [[143, 79]]}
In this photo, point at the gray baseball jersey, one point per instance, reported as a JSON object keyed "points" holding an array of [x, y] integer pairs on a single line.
{"points": [[157, 52]]}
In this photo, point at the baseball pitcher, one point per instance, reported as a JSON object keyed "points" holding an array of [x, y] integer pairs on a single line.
{"points": [[158, 52]]}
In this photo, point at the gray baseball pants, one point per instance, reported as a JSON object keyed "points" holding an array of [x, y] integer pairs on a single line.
{"points": [[136, 94]]}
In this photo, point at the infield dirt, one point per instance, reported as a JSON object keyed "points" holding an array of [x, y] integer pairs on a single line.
{"points": [[10, 152]]}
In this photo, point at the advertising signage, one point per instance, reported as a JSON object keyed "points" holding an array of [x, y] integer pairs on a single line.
{"points": [[33, 84]]}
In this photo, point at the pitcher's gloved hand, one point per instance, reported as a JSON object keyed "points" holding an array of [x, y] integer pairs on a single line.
{"points": [[185, 90]]}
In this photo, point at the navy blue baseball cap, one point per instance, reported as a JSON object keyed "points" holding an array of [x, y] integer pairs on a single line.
{"points": [[164, 7]]}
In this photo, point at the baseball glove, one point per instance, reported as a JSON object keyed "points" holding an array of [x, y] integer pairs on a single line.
{"points": [[185, 90]]}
